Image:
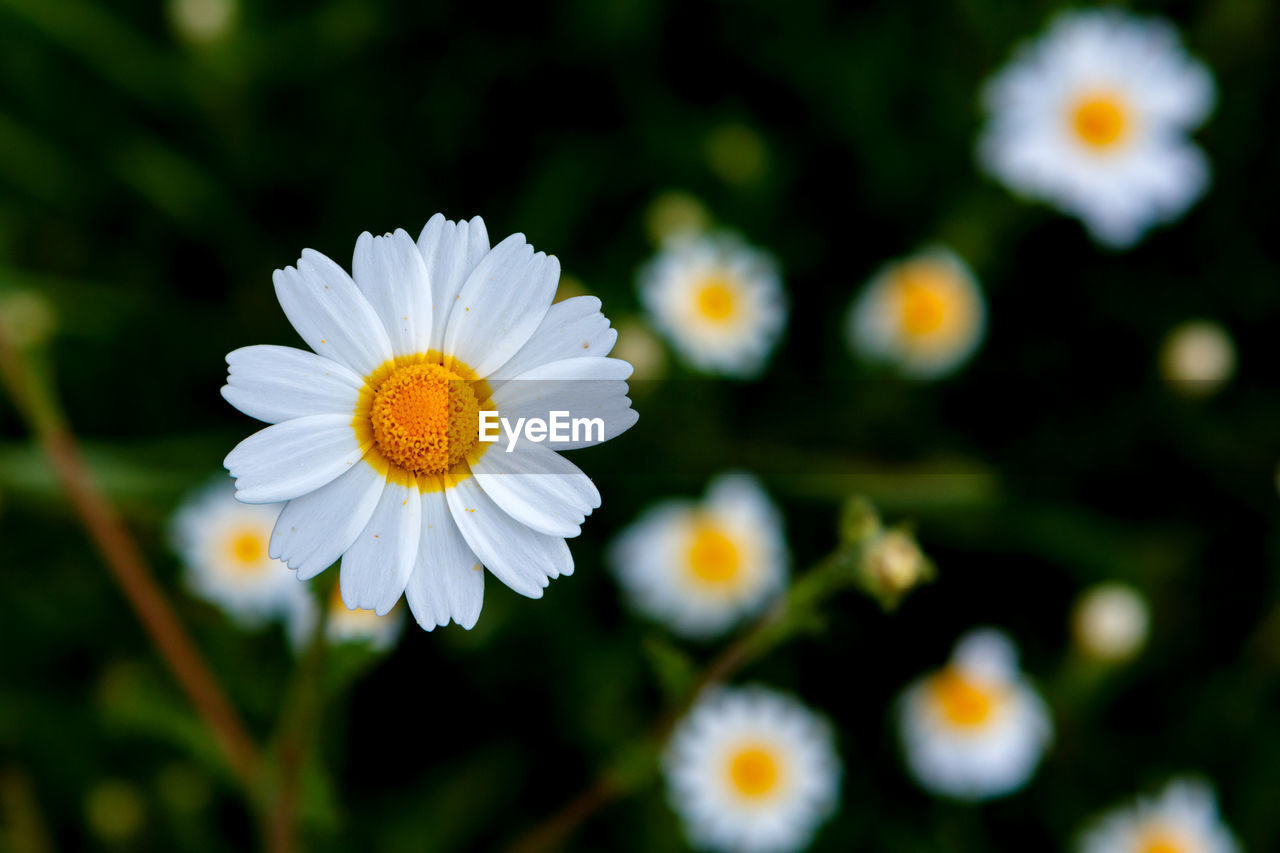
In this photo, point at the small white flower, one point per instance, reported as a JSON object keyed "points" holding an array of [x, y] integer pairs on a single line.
{"points": [[975, 729], [1197, 357], [924, 314], [719, 301], [1110, 622], [702, 566], [1183, 819], [752, 771], [345, 625], [1094, 117], [374, 440], [224, 548]]}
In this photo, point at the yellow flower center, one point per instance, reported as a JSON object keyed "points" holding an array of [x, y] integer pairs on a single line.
{"points": [[1101, 121], [716, 299], [247, 549], [1160, 840], [964, 702], [425, 418], [922, 303], [713, 555], [754, 772]]}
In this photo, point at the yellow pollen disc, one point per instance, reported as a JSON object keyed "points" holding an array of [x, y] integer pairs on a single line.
{"points": [[964, 703], [713, 555], [247, 549], [716, 298], [754, 772], [1160, 841], [425, 418], [1100, 121]]}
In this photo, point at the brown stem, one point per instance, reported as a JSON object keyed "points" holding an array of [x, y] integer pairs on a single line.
{"points": [[127, 565]]}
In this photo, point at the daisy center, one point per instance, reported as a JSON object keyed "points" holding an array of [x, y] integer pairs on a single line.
{"points": [[424, 418], [713, 555], [965, 703], [1161, 841], [922, 303], [716, 299], [754, 772], [1101, 121], [247, 549]]}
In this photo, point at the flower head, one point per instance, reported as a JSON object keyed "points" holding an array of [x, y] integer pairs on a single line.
{"points": [[702, 566], [719, 302], [924, 314], [752, 770], [1094, 117], [1182, 819], [375, 441], [1197, 357], [1110, 622], [224, 547], [975, 729]]}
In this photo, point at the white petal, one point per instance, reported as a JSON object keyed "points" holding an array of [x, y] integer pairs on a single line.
{"points": [[584, 387], [276, 384], [390, 273], [537, 487], [521, 558], [331, 315], [502, 302], [376, 568], [313, 531], [448, 580], [451, 251], [572, 329], [292, 458]]}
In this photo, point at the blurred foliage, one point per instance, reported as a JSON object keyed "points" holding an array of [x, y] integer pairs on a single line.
{"points": [[149, 184]]}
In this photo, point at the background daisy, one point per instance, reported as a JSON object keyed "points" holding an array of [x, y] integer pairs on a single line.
{"points": [[925, 315], [1181, 819], [751, 770], [375, 442], [224, 549], [702, 566], [718, 301], [974, 729], [1094, 118]]}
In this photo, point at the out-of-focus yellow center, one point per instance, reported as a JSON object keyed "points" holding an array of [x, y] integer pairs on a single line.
{"points": [[965, 703], [716, 299], [713, 555], [924, 300], [1101, 121], [425, 418], [754, 771], [247, 549], [1160, 840]]}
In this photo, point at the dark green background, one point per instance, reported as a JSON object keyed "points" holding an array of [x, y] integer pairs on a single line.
{"points": [[149, 188]]}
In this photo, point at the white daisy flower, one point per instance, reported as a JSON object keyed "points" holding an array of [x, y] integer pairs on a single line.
{"points": [[1094, 117], [717, 300], [702, 566], [1197, 357], [375, 436], [224, 548], [924, 314], [752, 770], [1110, 622], [1183, 819], [975, 729]]}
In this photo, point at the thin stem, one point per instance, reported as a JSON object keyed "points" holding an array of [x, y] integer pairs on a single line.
{"points": [[40, 410]]}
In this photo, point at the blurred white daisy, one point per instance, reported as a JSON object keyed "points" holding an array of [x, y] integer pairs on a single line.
{"points": [[702, 566], [1110, 622], [1094, 117], [224, 549], [375, 437], [975, 729], [924, 314], [1183, 819], [752, 770], [1197, 357], [346, 625], [718, 301]]}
